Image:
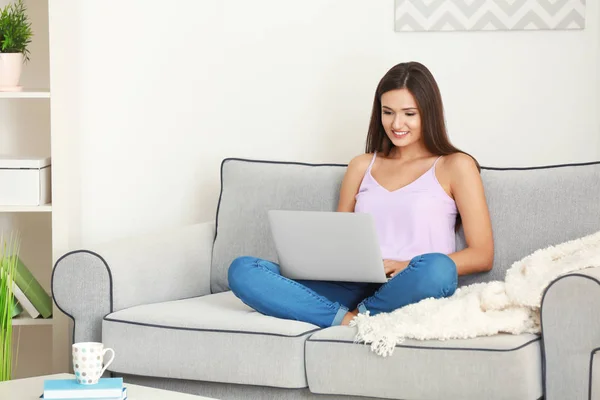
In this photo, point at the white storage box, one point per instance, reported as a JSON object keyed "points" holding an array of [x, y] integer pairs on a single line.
{"points": [[24, 181]]}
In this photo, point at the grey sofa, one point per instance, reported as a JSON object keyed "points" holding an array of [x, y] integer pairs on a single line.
{"points": [[162, 301]]}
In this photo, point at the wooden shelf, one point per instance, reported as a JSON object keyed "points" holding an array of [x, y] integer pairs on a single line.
{"points": [[25, 320], [26, 94], [23, 209]]}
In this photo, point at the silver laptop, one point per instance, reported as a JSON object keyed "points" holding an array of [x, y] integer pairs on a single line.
{"points": [[327, 246]]}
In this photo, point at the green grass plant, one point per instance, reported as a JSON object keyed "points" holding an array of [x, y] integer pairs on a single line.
{"points": [[8, 250]]}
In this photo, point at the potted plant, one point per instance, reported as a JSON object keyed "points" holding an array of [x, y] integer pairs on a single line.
{"points": [[15, 36], [8, 260]]}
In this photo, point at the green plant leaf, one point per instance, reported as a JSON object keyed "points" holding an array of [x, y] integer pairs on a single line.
{"points": [[7, 271], [15, 29]]}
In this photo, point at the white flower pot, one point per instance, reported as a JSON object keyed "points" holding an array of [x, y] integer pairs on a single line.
{"points": [[11, 65]]}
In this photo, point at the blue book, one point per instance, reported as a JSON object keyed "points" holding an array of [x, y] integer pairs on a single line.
{"points": [[106, 388], [122, 397]]}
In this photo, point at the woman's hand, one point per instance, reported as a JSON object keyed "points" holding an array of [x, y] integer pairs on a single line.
{"points": [[392, 267]]}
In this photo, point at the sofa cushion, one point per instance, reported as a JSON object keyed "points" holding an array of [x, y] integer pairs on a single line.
{"points": [[496, 367], [212, 338], [248, 190], [530, 208], [533, 208]]}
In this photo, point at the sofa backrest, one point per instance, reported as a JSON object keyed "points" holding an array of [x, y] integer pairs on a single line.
{"points": [[531, 208]]}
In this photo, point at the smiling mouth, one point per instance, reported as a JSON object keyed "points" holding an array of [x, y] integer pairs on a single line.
{"points": [[400, 134]]}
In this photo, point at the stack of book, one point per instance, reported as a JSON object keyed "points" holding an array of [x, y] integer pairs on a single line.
{"points": [[105, 389], [29, 296]]}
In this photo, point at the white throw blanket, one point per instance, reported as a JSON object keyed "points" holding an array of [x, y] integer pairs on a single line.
{"points": [[482, 309]]}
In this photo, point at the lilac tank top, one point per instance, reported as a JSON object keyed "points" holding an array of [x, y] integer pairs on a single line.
{"points": [[416, 219]]}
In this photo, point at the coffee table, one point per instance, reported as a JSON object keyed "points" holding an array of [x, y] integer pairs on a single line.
{"points": [[32, 388]]}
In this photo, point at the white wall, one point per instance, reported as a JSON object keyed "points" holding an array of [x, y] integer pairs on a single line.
{"points": [[149, 97]]}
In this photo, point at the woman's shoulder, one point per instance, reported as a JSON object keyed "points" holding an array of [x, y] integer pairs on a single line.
{"points": [[459, 160], [457, 164], [357, 167], [361, 162]]}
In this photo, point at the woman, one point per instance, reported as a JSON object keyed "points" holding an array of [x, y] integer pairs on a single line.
{"points": [[419, 189]]}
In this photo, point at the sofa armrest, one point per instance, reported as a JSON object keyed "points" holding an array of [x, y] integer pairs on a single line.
{"points": [[89, 284], [571, 334]]}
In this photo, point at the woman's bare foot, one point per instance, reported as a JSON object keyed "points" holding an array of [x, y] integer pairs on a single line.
{"points": [[348, 317]]}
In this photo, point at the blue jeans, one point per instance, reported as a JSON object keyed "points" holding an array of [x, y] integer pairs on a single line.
{"points": [[259, 284]]}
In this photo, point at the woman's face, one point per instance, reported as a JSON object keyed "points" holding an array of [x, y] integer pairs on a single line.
{"points": [[400, 117]]}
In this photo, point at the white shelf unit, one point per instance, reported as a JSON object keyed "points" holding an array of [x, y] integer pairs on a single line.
{"points": [[26, 209], [25, 130], [24, 320], [26, 94]]}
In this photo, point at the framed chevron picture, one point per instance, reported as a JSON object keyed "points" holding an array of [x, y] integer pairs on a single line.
{"points": [[494, 15]]}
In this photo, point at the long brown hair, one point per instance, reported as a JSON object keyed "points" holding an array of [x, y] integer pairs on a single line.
{"points": [[419, 81]]}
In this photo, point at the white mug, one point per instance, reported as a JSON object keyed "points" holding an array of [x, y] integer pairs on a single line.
{"points": [[88, 358]]}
